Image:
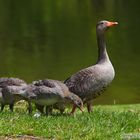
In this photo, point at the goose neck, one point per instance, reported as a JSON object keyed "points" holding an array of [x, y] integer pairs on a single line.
{"points": [[102, 52]]}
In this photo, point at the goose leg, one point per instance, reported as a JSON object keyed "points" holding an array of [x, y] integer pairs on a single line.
{"points": [[49, 110], [2, 107], [89, 106], [62, 110], [29, 107], [60, 107], [11, 106], [40, 108], [73, 110]]}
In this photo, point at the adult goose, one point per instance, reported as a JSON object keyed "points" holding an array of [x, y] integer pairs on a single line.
{"points": [[88, 83]]}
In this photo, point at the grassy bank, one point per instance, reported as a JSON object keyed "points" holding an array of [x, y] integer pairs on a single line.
{"points": [[104, 123]]}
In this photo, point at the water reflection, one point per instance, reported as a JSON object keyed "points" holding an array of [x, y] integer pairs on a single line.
{"points": [[54, 39]]}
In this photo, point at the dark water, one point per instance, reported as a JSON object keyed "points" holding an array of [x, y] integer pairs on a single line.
{"points": [[55, 38]]}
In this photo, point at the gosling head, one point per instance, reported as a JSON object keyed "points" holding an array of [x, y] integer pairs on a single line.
{"points": [[76, 100], [79, 104]]}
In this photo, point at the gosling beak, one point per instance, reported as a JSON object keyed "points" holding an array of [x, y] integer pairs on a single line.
{"points": [[110, 24], [81, 108]]}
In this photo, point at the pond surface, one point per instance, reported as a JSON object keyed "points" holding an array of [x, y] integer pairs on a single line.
{"points": [[54, 39]]}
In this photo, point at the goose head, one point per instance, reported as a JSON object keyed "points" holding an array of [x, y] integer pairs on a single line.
{"points": [[103, 25]]}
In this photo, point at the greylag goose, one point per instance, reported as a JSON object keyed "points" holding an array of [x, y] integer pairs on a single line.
{"points": [[90, 82]]}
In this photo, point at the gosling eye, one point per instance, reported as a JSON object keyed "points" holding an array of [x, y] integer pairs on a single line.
{"points": [[79, 104]]}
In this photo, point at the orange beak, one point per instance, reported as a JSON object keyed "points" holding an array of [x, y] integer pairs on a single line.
{"points": [[110, 24]]}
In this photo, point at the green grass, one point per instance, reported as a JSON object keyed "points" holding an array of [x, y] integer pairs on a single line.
{"points": [[104, 123]]}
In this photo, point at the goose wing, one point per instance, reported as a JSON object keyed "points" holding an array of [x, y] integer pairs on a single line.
{"points": [[45, 82], [11, 81], [44, 92], [81, 82]]}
